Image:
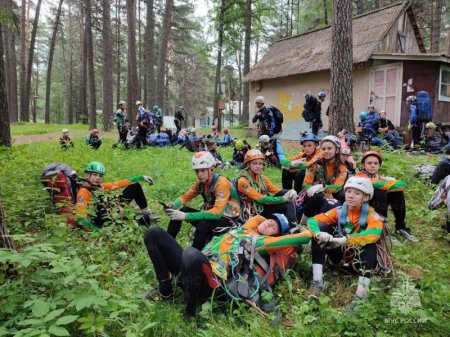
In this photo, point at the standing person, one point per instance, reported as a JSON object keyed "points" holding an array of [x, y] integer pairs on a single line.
{"points": [[122, 122], [143, 119], [317, 124], [93, 139], [221, 202], [90, 195], [264, 118], [178, 118], [413, 122], [64, 141], [157, 111]]}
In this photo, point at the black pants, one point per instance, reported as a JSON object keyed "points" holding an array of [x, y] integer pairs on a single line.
{"points": [[318, 204], [315, 126], [415, 134], [170, 259], [366, 260], [130, 193], [381, 201], [288, 209], [287, 178], [142, 134], [204, 229], [122, 136], [178, 125]]}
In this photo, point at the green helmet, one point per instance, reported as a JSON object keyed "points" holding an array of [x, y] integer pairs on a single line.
{"points": [[95, 167], [239, 145]]}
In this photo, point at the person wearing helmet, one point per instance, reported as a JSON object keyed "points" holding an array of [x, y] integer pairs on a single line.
{"points": [[293, 168], [214, 133], [388, 192], [178, 118], [369, 128], [201, 272], [144, 121], [64, 141], [226, 138], [324, 179], [263, 118], [259, 194], [159, 116], [362, 228], [121, 122], [91, 198], [272, 150], [221, 202], [240, 149], [93, 139]]}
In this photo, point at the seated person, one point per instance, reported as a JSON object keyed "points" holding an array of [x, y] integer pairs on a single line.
{"points": [[94, 140], [193, 135], [211, 146], [362, 228], [226, 138], [443, 167], [347, 159], [64, 141], [368, 132], [201, 272], [272, 150], [294, 168], [89, 195], [221, 202], [214, 133], [240, 149], [386, 128], [258, 194], [388, 191]]}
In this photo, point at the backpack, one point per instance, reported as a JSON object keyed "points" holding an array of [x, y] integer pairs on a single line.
{"points": [[424, 109], [309, 108], [62, 184], [278, 118]]}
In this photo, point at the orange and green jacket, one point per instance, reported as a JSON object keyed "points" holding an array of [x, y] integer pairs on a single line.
{"points": [[381, 183], [334, 180], [223, 249], [286, 163], [226, 200], [357, 236], [84, 198], [258, 188]]}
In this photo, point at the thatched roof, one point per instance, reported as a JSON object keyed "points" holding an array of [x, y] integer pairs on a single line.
{"points": [[311, 51]]}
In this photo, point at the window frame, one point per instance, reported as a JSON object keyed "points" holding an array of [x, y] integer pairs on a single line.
{"points": [[443, 68]]}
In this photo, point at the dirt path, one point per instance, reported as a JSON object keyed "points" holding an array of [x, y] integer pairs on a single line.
{"points": [[18, 140]]}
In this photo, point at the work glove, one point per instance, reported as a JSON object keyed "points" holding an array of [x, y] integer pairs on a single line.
{"points": [[298, 162], [149, 180], [290, 196], [313, 190], [336, 242], [323, 238], [175, 214]]}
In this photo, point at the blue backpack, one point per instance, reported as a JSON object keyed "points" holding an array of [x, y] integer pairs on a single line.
{"points": [[424, 109]]}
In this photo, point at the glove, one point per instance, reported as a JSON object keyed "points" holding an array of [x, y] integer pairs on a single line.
{"points": [[388, 178], [336, 242], [290, 196], [324, 237], [313, 190], [149, 180], [175, 214], [298, 162]]}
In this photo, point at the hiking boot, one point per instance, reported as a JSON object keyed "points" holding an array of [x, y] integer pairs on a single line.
{"points": [[406, 233], [395, 242], [164, 291], [146, 218], [316, 288]]}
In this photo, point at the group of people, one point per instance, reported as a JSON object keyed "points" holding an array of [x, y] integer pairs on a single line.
{"points": [[93, 139]]}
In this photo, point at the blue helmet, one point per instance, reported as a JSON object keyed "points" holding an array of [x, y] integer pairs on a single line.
{"points": [[283, 223], [363, 115], [156, 107], [322, 94], [309, 137]]}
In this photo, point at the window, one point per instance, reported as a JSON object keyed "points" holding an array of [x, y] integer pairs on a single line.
{"points": [[444, 84], [401, 43]]}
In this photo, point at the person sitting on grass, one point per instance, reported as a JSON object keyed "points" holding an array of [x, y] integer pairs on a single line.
{"points": [[240, 149], [388, 192], [93, 139], [356, 224], [294, 168], [65, 142], [221, 205], [202, 272], [211, 145], [258, 194], [89, 196], [226, 138]]}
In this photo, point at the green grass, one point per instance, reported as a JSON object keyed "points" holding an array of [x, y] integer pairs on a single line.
{"points": [[96, 279], [26, 129]]}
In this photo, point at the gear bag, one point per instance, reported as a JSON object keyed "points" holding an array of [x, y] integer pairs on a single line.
{"points": [[309, 108], [424, 109], [278, 118]]}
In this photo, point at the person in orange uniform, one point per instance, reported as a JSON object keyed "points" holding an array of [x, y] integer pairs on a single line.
{"points": [[221, 202], [90, 194], [356, 224], [259, 194]]}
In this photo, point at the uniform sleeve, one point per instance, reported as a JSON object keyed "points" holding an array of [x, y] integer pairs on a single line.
{"points": [[273, 189], [286, 162], [246, 189], [371, 234], [222, 194], [81, 210], [188, 196], [309, 176], [253, 222], [270, 244], [339, 182], [329, 218], [111, 186]]}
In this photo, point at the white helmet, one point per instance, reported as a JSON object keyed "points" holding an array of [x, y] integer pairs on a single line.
{"points": [[259, 99], [202, 160], [362, 184], [193, 130], [138, 103], [123, 102], [264, 139], [64, 130], [335, 140]]}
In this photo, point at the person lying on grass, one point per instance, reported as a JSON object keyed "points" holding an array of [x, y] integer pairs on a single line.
{"points": [[203, 272]]}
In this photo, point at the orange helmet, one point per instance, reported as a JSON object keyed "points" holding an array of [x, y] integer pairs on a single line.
{"points": [[252, 155], [371, 153]]}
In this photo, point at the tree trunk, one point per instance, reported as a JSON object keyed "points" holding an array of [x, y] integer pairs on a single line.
{"points": [[150, 53], [380, 3], [29, 71], [5, 240], [119, 52], [90, 65], [82, 111], [341, 100], [167, 23], [218, 65], [133, 85], [436, 27], [247, 39], [107, 66], [5, 132], [448, 39], [24, 117], [359, 6], [69, 70], [36, 90], [50, 63]]}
